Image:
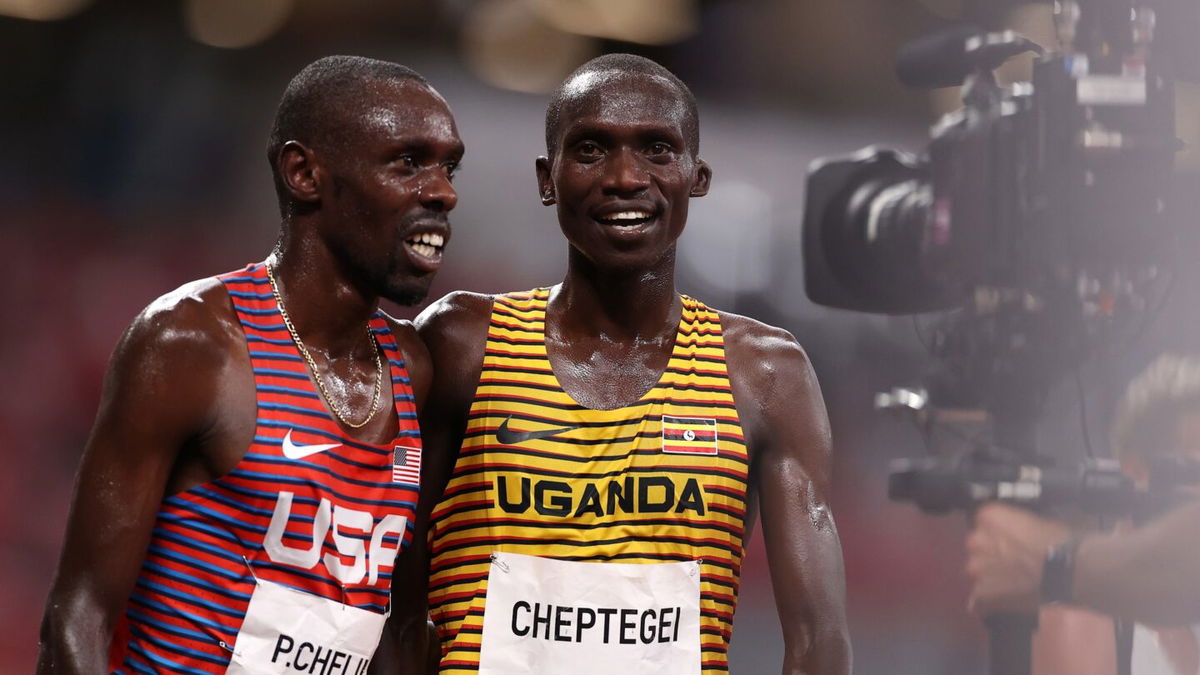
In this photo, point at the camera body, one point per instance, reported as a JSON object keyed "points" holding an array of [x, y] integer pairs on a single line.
{"points": [[1026, 187], [1037, 213], [1096, 487]]}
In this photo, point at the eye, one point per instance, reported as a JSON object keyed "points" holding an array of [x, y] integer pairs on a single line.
{"points": [[451, 169], [589, 149], [659, 148], [405, 161]]}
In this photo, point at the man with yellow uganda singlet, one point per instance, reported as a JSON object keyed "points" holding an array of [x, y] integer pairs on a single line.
{"points": [[607, 442]]}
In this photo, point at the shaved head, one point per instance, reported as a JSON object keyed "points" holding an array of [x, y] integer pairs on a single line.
{"points": [[610, 68], [314, 108]]}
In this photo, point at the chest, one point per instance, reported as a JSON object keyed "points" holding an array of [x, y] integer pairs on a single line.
{"points": [[602, 375]]}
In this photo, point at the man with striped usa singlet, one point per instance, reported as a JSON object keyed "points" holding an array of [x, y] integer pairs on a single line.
{"points": [[256, 459], [606, 443]]}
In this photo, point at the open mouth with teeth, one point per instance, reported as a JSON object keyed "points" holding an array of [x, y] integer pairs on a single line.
{"points": [[627, 219], [428, 245]]}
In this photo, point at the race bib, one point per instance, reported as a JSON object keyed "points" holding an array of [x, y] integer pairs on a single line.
{"points": [[289, 631], [583, 618]]}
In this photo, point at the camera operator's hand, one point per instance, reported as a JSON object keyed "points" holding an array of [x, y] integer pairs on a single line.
{"points": [[1006, 552], [1147, 574]]}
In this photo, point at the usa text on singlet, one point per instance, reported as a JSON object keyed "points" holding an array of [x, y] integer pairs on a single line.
{"points": [[283, 565]]}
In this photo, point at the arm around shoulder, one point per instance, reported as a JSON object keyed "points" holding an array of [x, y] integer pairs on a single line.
{"points": [[416, 358], [158, 395], [787, 430], [450, 336], [454, 330]]}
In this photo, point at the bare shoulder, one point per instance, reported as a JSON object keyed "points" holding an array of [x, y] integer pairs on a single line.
{"points": [[455, 331], [458, 319], [194, 322], [454, 309], [774, 386], [416, 357], [777, 396], [184, 360], [406, 336], [770, 355]]}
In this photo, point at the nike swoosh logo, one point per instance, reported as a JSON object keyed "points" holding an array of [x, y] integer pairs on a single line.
{"points": [[512, 437], [293, 451]]}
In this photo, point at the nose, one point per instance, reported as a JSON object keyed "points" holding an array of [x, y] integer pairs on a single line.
{"points": [[437, 192], [624, 173]]}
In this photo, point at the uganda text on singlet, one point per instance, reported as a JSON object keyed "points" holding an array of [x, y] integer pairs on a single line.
{"points": [[283, 565], [572, 540]]}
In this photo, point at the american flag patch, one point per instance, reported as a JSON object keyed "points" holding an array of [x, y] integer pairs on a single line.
{"points": [[689, 435], [406, 465]]}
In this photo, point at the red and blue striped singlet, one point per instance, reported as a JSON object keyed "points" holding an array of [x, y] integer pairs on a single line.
{"points": [[304, 493]]}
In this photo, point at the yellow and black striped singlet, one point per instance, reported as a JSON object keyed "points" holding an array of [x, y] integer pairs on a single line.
{"points": [[663, 479]]}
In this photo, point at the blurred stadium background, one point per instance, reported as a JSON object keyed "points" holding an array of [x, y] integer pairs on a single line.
{"points": [[132, 140]]}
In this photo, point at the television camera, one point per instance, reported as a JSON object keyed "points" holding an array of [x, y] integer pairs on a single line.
{"points": [[1037, 222]]}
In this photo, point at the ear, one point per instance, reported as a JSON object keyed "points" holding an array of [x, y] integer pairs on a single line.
{"points": [[703, 179], [545, 184], [298, 169]]}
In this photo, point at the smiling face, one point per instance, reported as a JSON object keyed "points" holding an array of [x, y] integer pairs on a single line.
{"points": [[388, 191], [622, 169]]}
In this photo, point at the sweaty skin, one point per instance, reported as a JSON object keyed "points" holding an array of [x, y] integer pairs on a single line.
{"points": [[621, 145], [178, 407]]}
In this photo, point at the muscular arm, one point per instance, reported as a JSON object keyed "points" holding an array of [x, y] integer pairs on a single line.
{"points": [[158, 403], [1149, 574], [787, 430], [454, 331]]}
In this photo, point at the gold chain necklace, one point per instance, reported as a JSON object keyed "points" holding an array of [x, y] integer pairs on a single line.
{"points": [[312, 365]]}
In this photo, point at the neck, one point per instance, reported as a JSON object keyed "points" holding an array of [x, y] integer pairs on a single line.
{"points": [[327, 307], [621, 304]]}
